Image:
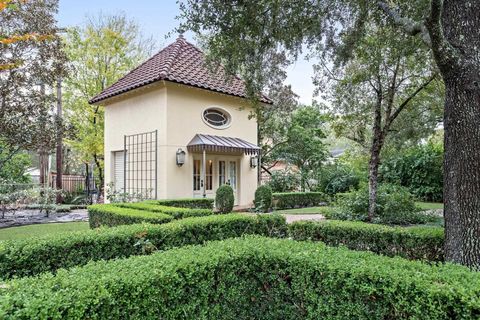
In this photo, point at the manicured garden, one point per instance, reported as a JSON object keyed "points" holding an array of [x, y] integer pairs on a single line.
{"points": [[186, 259]]}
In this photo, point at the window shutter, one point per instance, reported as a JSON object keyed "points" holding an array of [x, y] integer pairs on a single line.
{"points": [[119, 170]]}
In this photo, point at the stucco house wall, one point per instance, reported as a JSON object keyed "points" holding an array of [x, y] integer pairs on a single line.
{"points": [[185, 106], [176, 112], [168, 94]]}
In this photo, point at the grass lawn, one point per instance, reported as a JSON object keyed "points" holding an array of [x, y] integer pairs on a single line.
{"points": [[311, 210], [36, 230], [429, 205]]}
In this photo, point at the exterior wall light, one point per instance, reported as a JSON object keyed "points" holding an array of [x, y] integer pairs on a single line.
{"points": [[253, 162], [180, 157]]}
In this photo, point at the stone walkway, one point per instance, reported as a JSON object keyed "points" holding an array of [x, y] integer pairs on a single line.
{"points": [[26, 217], [303, 217]]}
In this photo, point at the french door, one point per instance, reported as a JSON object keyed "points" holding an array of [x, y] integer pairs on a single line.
{"points": [[198, 182], [219, 171], [228, 174]]}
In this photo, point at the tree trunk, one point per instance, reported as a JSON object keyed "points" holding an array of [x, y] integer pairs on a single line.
{"points": [[462, 172], [373, 166], [455, 33], [374, 163], [100, 175]]}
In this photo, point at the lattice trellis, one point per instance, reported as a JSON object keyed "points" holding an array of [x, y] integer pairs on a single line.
{"points": [[140, 171]]}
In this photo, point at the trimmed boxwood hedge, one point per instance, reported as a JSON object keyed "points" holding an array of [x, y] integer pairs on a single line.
{"points": [[249, 278], [421, 242], [176, 213], [64, 250], [111, 215], [193, 203], [290, 200]]}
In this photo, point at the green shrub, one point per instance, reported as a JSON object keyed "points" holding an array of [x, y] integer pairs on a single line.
{"points": [[224, 199], [177, 213], [336, 178], [284, 181], [290, 200], [110, 215], [395, 205], [263, 199], [419, 168], [412, 243], [249, 278], [64, 250], [194, 203]]}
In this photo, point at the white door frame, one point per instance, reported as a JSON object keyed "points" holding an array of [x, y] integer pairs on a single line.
{"points": [[213, 160], [201, 181], [231, 162]]}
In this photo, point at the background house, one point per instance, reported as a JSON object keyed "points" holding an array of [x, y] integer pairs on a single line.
{"points": [[174, 129]]}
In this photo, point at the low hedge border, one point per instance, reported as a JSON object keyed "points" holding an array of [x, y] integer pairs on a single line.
{"points": [[193, 203], [64, 250], [176, 213], [290, 200], [111, 215], [421, 242], [235, 278]]}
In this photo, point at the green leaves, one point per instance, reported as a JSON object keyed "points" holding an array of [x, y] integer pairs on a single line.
{"points": [[102, 52], [66, 250], [224, 199], [290, 200], [248, 278], [421, 242], [111, 215]]}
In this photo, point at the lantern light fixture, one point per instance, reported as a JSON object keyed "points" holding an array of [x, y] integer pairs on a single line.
{"points": [[180, 157], [253, 162]]}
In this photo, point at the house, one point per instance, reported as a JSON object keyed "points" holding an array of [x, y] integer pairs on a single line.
{"points": [[175, 129]]}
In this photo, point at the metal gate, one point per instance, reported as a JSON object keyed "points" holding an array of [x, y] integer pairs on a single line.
{"points": [[140, 164]]}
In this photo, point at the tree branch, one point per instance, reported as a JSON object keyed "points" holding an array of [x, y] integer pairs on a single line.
{"points": [[392, 91], [408, 25], [406, 101], [266, 170], [446, 55]]}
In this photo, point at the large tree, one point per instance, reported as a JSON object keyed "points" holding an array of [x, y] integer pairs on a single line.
{"points": [[31, 60], [247, 32], [101, 52], [303, 146], [389, 77], [273, 123]]}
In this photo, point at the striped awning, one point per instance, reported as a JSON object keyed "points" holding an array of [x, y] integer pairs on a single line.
{"points": [[211, 143]]}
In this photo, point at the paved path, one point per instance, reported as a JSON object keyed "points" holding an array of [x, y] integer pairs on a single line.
{"points": [[26, 217], [303, 217]]}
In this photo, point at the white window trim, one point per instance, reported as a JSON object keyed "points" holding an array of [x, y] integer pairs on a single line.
{"points": [[230, 118]]}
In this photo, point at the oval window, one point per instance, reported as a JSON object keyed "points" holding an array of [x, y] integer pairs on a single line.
{"points": [[217, 118]]}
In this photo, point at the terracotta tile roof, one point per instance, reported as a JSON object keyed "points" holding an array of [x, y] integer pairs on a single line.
{"points": [[180, 62]]}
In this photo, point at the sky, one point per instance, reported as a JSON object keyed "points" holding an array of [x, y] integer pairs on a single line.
{"points": [[157, 18]]}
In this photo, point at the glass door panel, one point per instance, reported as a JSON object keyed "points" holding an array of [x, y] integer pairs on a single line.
{"points": [[222, 173], [209, 176], [232, 174], [196, 175]]}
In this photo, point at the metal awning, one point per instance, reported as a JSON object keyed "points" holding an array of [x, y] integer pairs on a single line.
{"points": [[213, 143]]}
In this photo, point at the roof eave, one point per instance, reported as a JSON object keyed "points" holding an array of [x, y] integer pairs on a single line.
{"points": [[97, 99]]}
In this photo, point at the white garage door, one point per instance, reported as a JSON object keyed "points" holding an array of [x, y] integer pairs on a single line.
{"points": [[119, 170]]}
